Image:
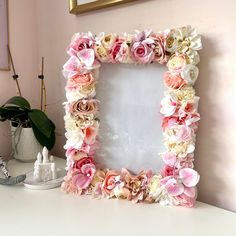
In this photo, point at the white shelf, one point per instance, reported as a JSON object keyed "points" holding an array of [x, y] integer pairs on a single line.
{"points": [[51, 212]]}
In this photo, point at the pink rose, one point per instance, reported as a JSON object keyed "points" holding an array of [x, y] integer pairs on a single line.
{"points": [[110, 182], [173, 80], [142, 53], [84, 107], [80, 80], [83, 179], [80, 42], [167, 171], [119, 51], [83, 161], [159, 48]]}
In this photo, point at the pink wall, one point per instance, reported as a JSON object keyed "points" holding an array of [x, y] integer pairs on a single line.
{"points": [[23, 44], [215, 154]]}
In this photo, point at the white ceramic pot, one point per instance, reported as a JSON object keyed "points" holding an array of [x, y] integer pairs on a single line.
{"points": [[24, 144]]}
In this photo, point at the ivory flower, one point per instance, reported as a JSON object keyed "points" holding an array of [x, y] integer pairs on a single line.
{"points": [[168, 105], [190, 74]]}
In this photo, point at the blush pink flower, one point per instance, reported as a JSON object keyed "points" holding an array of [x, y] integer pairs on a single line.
{"points": [[119, 51], [183, 183], [90, 134], [84, 107], [184, 200], [168, 105], [110, 182], [168, 122], [142, 47], [167, 171], [184, 134], [173, 80], [83, 63], [169, 158], [159, 48], [83, 178], [79, 80], [83, 161], [80, 42]]}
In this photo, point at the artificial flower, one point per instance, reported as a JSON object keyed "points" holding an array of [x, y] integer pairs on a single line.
{"points": [[84, 177], [80, 42], [190, 74], [180, 149], [169, 158], [160, 55], [108, 41], [110, 182], [176, 63], [79, 80], [142, 47], [101, 53], [119, 51], [173, 80], [90, 133], [186, 93], [168, 105], [167, 171], [78, 164], [84, 121], [84, 107]]}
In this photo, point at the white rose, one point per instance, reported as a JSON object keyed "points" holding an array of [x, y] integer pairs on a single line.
{"points": [[190, 74]]}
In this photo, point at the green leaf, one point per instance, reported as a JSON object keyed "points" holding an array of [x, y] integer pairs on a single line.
{"points": [[43, 140], [18, 101], [41, 122], [12, 113]]}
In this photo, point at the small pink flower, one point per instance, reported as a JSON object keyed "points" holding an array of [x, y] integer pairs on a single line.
{"points": [[79, 80], [90, 134], [80, 42], [168, 122], [110, 182], [89, 148], [169, 158], [184, 134], [167, 171], [85, 176], [119, 51], [78, 164]]}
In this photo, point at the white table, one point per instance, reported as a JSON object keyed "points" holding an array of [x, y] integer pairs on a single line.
{"points": [[51, 212]]}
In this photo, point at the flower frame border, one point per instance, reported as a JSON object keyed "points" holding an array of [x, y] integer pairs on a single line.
{"points": [[177, 180]]}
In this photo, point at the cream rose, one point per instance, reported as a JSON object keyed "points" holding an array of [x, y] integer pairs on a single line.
{"points": [[190, 74]]}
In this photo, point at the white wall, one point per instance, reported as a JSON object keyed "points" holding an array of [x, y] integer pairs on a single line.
{"points": [[216, 21]]}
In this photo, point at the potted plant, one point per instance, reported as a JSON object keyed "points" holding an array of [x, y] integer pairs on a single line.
{"points": [[31, 128]]}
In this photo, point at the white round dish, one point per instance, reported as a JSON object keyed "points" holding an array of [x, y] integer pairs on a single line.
{"points": [[31, 184]]}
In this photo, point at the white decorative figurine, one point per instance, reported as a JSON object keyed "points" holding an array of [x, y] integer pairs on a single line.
{"points": [[44, 167]]}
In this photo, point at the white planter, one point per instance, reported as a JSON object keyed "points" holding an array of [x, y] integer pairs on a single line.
{"points": [[24, 144]]}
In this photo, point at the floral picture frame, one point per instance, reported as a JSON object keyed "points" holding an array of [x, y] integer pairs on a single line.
{"points": [[175, 183]]}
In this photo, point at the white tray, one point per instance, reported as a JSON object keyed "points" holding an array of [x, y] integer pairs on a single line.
{"points": [[31, 184]]}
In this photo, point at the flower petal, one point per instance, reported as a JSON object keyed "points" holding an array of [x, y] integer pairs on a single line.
{"points": [[189, 177], [174, 188]]}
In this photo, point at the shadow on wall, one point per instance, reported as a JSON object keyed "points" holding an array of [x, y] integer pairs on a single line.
{"points": [[206, 155]]}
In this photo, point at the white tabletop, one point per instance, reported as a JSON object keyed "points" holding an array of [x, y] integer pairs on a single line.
{"points": [[51, 212]]}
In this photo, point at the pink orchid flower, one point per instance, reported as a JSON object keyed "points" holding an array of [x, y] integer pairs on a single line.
{"points": [[168, 105], [85, 177], [83, 63], [184, 183]]}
